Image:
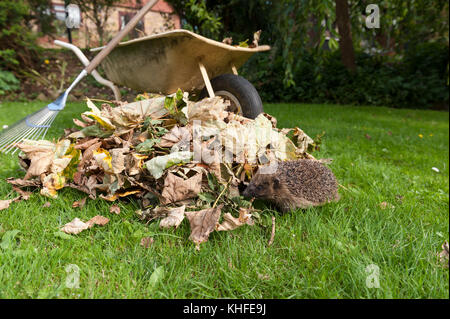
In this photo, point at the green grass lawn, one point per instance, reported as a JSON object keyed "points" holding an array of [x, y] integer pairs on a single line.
{"points": [[317, 253]]}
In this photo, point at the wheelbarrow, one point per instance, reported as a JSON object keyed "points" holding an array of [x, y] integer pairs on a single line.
{"points": [[180, 59]]}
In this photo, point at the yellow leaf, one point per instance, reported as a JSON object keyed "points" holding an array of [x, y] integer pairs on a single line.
{"points": [[112, 198], [103, 158], [95, 114]]}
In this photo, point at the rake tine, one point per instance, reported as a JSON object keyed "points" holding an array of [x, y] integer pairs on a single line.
{"points": [[10, 138], [26, 133], [20, 127], [35, 133], [30, 134]]}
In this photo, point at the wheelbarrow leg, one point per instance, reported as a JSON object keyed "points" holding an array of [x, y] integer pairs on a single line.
{"points": [[94, 73], [233, 68], [206, 79]]}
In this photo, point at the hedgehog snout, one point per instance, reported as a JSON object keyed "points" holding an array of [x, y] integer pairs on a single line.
{"points": [[248, 192]]}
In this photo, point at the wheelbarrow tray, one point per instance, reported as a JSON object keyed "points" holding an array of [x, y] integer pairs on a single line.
{"points": [[165, 62]]}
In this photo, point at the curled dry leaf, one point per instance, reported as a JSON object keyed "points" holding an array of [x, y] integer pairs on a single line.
{"points": [[79, 203], [115, 209], [174, 217], [303, 140], [86, 143], [202, 223], [177, 136], [98, 220], [231, 222], [40, 153], [77, 225], [4, 204], [208, 110], [177, 188], [24, 182], [23, 194]]}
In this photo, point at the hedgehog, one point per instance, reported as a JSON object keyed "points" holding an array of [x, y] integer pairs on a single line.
{"points": [[295, 184]]}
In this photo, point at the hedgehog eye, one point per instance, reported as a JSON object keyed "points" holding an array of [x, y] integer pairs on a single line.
{"points": [[259, 187]]}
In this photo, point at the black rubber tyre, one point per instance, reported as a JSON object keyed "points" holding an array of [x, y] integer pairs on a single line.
{"points": [[235, 87]]}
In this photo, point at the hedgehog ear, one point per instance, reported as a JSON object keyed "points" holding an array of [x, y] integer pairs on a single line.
{"points": [[276, 182]]}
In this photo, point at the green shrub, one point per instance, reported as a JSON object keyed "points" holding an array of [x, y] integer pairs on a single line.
{"points": [[8, 82], [419, 79], [17, 41]]}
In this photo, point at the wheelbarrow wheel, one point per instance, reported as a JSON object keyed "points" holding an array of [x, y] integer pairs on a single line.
{"points": [[243, 96]]}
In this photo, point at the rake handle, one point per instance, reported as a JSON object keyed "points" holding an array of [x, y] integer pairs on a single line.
{"points": [[119, 36]]}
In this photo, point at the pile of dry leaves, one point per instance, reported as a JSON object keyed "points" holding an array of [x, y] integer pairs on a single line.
{"points": [[177, 157]]}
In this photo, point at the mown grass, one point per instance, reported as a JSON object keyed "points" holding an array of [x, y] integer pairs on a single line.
{"points": [[317, 253]]}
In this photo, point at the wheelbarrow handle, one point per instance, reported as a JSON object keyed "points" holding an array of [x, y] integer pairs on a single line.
{"points": [[119, 36]]}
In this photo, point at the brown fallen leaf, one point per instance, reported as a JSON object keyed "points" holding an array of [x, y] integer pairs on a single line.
{"points": [[78, 123], [444, 254], [23, 194], [97, 220], [86, 143], [180, 136], [272, 120], [77, 225], [231, 222], [80, 203], [88, 154], [4, 204], [24, 182], [368, 136], [177, 188], [202, 223], [115, 209], [40, 153], [174, 217], [146, 242]]}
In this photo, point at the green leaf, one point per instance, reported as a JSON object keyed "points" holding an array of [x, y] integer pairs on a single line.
{"points": [[213, 183], [147, 145], [241, 202], [158, 164], [207, 197], [96, 130], [173, 103], [244, 44], [62, 235]]}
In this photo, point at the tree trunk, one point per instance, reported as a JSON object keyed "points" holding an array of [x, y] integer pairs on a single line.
{"points": [[345, 35]]}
